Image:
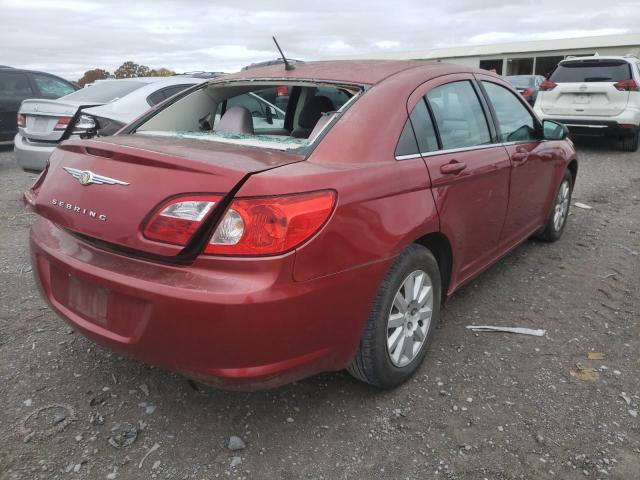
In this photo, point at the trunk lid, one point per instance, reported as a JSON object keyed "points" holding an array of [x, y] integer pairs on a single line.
{"points": [[42, 117], [151, 171]]}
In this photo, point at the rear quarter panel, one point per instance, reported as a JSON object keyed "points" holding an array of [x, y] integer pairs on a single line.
{"points": [[381, 208]]}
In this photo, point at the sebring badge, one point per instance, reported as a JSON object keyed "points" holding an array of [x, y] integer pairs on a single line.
{"points": [[87, 177]]}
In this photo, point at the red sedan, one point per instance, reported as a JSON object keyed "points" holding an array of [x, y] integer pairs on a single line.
{"points": [[248, 245]]}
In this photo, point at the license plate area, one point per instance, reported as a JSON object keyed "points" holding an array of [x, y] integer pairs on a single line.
{"points": [[40, 125], [90, 301], [581, 98], [111, 310]]}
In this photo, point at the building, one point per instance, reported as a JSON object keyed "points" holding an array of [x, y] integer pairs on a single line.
{"points": [[523, 58]]}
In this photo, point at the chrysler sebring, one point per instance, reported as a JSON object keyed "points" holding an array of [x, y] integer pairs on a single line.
{"points": [[248, 254]]}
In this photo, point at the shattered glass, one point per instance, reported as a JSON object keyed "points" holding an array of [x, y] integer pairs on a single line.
{"points": [[278, 142]]}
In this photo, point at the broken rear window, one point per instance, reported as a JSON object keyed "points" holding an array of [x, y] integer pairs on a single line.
{"points": [[261, 114]]}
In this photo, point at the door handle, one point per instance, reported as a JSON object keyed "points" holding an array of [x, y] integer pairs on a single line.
{"points": [[520, 155], [453, 167]]}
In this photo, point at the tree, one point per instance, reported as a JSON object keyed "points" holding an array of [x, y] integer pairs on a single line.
{"points": [[130, 69], [91, 76], [161, 72]]}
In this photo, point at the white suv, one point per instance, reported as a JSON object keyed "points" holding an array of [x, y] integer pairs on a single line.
{"points": [[594, 96]]}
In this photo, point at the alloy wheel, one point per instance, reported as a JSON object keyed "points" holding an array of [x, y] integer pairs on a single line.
{"points": [[561, 208], [410, 318]]}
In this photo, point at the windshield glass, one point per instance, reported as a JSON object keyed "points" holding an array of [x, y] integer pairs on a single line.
{"points": [[521, 81], [261, 114], [105, 92], [592, 71]]}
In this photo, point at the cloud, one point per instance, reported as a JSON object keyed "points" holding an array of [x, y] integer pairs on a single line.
{"points": [[67, 37]]}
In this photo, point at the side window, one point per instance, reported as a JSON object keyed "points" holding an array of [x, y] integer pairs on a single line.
{"points": [[172, 90], [425, 134], [52, 87], [459, 115], [14, 85], [161, 95], [155, 98], [514, 120]]}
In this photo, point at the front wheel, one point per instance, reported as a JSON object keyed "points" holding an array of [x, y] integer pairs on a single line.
{"points": [[558, 219], [402, 320]]}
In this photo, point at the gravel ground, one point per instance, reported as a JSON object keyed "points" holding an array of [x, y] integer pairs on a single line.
{"points": [[486, 405]]}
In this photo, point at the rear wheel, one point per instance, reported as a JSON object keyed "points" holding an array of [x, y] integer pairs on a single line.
{"points": [[558, 219], [630, 142], [402, 320]]}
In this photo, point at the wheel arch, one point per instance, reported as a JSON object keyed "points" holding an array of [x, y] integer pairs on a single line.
{"points": [[440, 246]]}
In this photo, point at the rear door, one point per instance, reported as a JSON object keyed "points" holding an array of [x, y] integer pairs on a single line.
{"points": [[14, 88], [587, 88], [469, 171], [535, 162]]}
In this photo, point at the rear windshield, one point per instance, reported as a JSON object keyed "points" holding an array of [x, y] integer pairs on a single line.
{"points": [[260, 114], [105, 92], [592, 71], [521, 81]]}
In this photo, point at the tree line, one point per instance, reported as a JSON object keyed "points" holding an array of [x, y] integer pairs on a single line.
{"points": [[128, 69]]}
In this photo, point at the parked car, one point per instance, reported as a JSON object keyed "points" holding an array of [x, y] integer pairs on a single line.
{"points": [[527, 85], [16, 85], [100, 109], [250, 257], [595, 95]]}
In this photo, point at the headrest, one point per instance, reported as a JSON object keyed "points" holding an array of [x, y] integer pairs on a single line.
{"points": [[236, 120]]}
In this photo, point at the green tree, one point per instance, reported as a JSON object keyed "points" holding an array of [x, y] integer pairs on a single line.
{"points": [[91, 76], [131, 69]]}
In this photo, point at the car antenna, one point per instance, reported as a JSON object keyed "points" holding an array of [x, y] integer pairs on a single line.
{"points": [[287, 65]]}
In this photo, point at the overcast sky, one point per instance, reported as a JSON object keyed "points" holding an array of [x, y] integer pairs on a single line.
{"points": [[67, 37]]}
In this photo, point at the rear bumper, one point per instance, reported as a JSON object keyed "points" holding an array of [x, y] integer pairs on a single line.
{"points": [[598, 127], [627, 123], [30, 156], [231, 323]]}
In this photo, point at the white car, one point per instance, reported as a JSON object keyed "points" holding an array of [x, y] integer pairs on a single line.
{"points": [[594, 95], [99, 109]]}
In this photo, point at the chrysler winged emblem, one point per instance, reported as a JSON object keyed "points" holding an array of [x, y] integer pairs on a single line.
{"points": [[87, 177]]}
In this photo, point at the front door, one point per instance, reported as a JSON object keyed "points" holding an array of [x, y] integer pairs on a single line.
{"points": [[532, 176]]}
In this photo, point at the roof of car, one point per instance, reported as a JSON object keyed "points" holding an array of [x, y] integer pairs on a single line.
{"points": [[349, 71], [626, 58], [133, 79], [27, 70]]}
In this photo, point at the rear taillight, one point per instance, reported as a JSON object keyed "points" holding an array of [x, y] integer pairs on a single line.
{"points": [[282, 91], [547, 85], [178, 219], [63, 123], [22, 120], [627, 86], [270, 225], [527, 93]]}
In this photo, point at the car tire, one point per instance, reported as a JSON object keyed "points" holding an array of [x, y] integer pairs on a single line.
{"points": [[409, 324], [630, 142], [557, 220]]}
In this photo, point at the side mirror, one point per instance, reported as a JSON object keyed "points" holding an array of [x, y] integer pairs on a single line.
{"points": [[554, 131]]}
